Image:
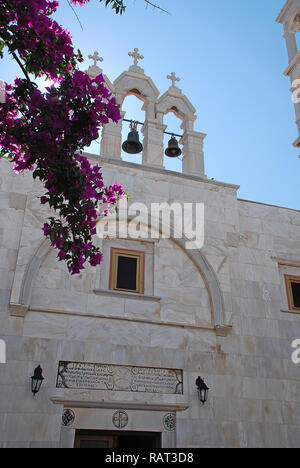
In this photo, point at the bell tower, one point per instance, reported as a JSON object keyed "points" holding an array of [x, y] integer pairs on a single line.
{"points": [[289, 17], [135, 82]]}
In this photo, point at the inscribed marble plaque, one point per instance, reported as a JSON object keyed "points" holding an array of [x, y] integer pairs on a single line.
{"points": [[86, 376]]}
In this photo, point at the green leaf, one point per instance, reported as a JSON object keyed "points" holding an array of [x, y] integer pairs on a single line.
{"points": [[52, 235]]}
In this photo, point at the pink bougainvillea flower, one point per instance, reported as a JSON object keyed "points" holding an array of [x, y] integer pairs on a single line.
{"points": [[44, 132]]}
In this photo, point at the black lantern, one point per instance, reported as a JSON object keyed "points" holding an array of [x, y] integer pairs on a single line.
{"points": [[37, 380], [202, 390]]}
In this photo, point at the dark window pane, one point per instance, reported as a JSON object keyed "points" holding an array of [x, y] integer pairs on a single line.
{"points": [[138, 441], [94, 444], [296, 294], [127, 271]]}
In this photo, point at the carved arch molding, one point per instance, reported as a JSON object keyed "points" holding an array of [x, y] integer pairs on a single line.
{"points": [[25, 278]]}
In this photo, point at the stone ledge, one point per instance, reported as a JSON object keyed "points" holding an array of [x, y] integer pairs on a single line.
{"points": [[295, 312], [158, 170], [142, 406], [122, 319], [292, 262], [223, 330], [18, 310], [123, 295]]}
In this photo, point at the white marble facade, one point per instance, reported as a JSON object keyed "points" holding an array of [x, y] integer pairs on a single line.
{"points": [[220, 312]]}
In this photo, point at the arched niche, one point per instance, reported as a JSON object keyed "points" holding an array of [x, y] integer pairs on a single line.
{"points": [[25, 278], [197, 257]]}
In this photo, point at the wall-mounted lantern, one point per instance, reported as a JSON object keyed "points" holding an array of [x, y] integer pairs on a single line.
{"points": [[202, 390], [37, 380]]}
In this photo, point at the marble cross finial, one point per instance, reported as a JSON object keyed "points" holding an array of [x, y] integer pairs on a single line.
{"points": [[96, 57], [173, 78], [136, 56]]}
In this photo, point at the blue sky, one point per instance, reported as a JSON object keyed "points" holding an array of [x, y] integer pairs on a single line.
{"points": [[230, 56]]}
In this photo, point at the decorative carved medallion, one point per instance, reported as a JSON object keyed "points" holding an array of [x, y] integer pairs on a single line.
{"points": [[169, 422], [120, 419], [68, 417]]}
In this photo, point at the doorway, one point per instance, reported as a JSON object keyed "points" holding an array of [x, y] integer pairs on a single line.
{"points": [[113, 439]]}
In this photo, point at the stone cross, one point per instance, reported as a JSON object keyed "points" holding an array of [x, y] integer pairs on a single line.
{"points": [[173, 78], [96, 57], [136, 56]]}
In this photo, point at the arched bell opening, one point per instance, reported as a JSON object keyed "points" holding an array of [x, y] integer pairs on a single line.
{"points": [[134, 110], [172, 143], [94, 147]]}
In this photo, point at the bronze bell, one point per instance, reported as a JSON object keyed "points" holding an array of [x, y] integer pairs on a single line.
{"points": [[133, 145], [173, 150]]}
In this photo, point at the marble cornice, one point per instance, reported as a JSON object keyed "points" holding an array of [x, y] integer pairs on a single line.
{"points": [[123, 295], [158, 170], [141, 406]]}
